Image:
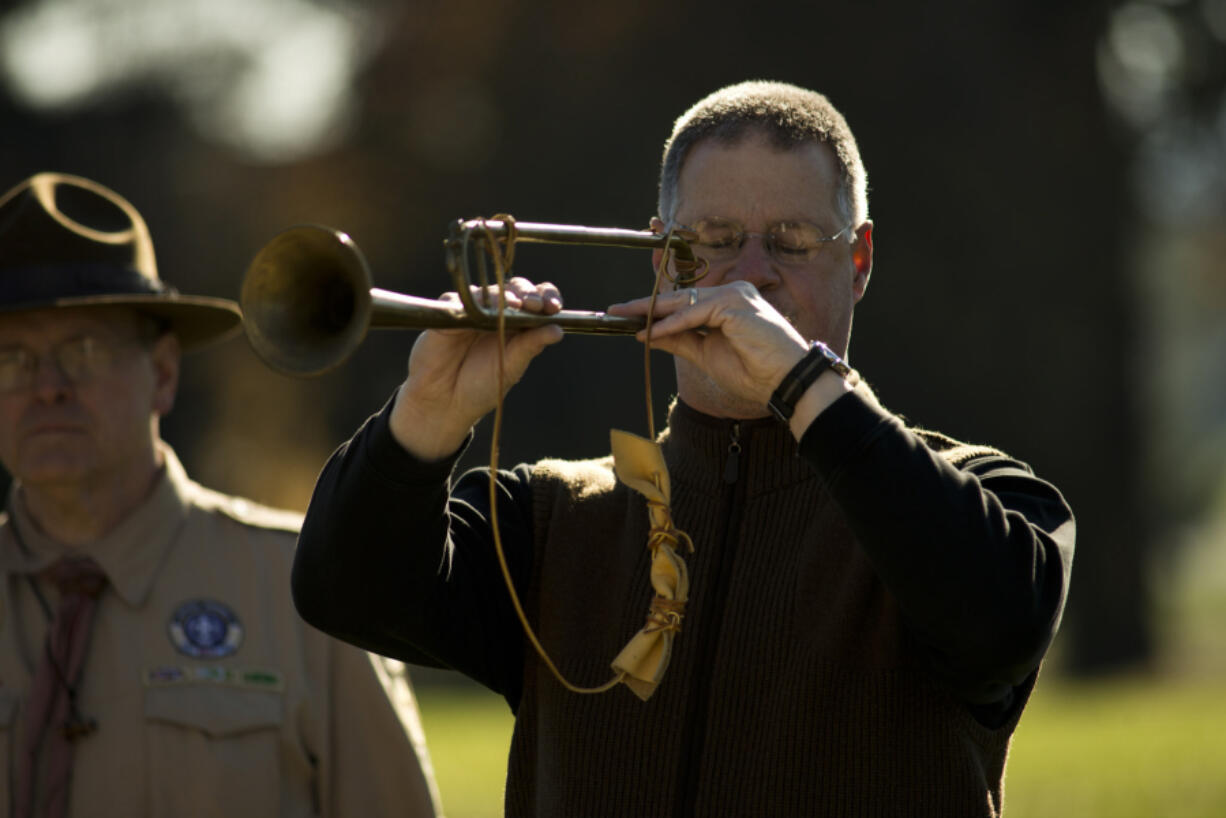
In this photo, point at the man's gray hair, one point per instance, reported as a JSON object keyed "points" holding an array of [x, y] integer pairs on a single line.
{"points": [[788, 115]]}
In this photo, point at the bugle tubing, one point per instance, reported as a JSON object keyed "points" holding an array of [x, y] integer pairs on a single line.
{"points": [[308, 303]]}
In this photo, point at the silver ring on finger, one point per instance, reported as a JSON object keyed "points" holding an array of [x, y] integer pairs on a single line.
{"points": [[693, 296]]}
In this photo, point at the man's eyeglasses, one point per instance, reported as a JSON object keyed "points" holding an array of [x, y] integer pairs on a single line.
{"points": [[80, 360], [788, 243]]}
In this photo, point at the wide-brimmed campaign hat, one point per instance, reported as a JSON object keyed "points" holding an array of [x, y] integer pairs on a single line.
{"points": [[68, 242]]}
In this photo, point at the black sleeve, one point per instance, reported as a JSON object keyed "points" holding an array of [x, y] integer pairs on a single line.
{"points": [[395, 561], [977, 557]]}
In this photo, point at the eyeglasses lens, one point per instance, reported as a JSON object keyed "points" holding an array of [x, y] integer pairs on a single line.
{"points": [[80, 360], [787, 242]]}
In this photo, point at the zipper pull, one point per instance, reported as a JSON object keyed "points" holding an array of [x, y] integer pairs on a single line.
{"points": [[732, 466]]}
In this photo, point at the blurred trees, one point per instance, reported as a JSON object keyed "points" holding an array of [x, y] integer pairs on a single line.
{"points": [[1002, 309]]}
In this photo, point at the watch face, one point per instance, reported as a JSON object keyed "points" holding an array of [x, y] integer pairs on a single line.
{"points": [[836, 363]]}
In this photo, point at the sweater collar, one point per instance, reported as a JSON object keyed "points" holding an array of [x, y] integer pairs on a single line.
{"points": [[697, 448]]}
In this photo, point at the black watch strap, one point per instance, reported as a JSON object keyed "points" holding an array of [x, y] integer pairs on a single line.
{"points": [[817, 360]]}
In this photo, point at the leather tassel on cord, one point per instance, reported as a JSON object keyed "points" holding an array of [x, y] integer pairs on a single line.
{"points": [[639, 463]]}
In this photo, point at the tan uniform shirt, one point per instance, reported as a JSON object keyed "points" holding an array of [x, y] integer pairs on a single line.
{"points": [[212, 697]]}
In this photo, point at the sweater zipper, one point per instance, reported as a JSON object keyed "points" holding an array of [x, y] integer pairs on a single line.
{"points": [[710, 622], [732, 466]]}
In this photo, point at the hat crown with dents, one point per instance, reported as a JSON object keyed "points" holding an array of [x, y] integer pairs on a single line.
{"points": [[66, 241]]}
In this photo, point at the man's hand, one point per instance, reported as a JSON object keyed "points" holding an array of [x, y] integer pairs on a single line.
{"points": [[729, 332], [453, 374]]}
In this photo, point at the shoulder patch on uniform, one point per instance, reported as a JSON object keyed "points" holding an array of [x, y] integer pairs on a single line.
{"points": [[251, 679], [204, 629]]}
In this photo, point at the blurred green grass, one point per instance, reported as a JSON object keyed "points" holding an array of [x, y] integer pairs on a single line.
{"points": [[1133, 747], [1136, 747], [468, 731]]}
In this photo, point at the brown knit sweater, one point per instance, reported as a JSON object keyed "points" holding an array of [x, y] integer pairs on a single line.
{"points": [[793, 689]]}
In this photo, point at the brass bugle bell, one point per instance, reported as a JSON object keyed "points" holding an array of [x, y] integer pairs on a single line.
{"points": [[308, 303]]}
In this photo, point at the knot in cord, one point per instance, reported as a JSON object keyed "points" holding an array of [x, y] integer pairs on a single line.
{"points": [[689, 271], [665, 615], [663, 532]]}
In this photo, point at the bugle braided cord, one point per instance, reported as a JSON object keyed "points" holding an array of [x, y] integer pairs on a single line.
{"points": [[639, 463]]}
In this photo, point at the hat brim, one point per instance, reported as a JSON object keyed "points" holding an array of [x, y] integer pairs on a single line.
{"points": [[197, 320]]}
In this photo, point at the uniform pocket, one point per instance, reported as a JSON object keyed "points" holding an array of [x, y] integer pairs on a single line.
{"points": [[214, 749], [215, 711]]}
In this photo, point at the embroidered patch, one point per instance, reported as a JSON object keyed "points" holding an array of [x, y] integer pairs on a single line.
{"points": [[205, 629], [166, 676]]}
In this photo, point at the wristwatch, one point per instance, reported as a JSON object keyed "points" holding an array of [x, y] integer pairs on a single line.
{"points": [[817, 360]]}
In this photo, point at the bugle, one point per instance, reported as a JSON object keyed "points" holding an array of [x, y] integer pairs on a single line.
{"points": [[308, 302]]}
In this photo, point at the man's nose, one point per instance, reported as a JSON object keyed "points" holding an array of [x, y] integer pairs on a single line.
{"points": [[754, 264], [50, 381]]}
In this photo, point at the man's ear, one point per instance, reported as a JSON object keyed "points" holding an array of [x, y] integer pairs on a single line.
{"points": [[165, 356], [862, 258]]}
